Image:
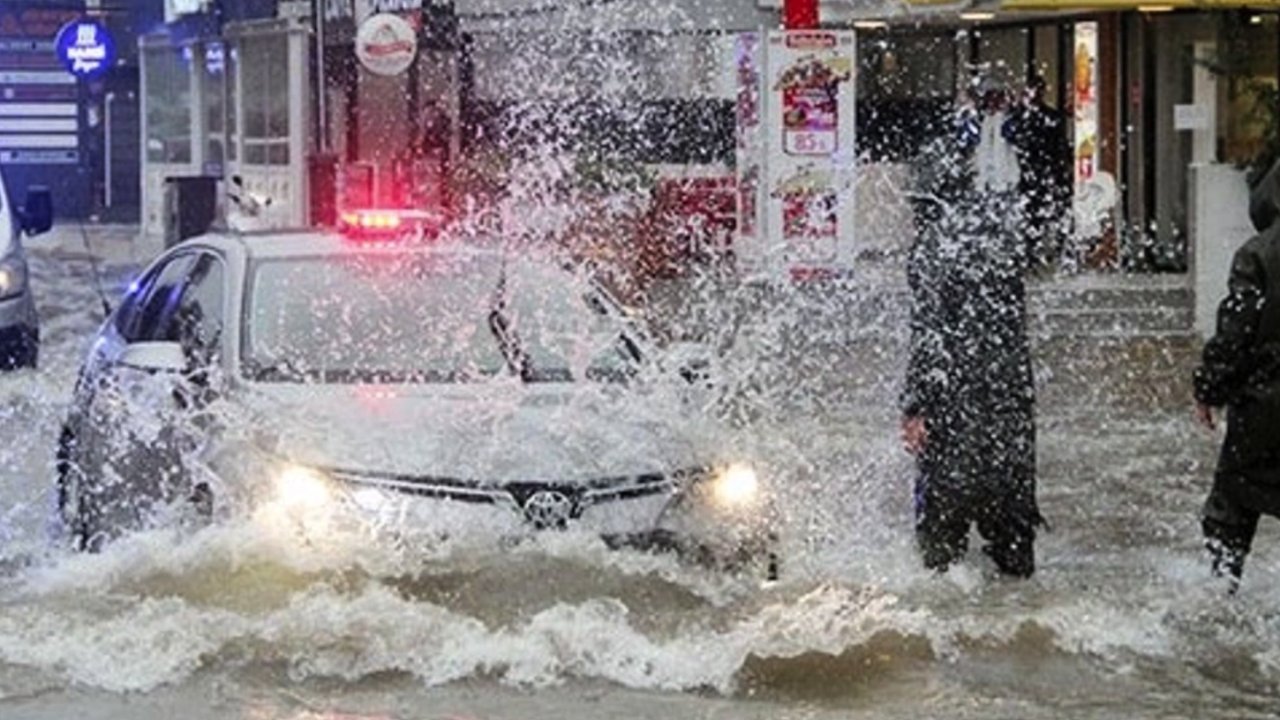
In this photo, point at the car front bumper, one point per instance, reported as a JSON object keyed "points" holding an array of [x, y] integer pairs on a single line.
{"points": [[18, 311], [646, 513]]}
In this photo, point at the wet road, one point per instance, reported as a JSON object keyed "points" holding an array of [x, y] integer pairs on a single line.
{"points": [[1120, 622]]}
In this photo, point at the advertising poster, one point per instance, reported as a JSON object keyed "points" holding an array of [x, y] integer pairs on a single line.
{"points": [[1085, 102], [810, 158], [810, 89], [749, 153]]}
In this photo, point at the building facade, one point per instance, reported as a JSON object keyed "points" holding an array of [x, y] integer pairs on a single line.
{"points": [[78, 137], [1159, 101]]}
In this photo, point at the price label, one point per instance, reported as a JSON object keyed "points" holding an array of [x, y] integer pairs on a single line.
{"points": [[810, 143]]}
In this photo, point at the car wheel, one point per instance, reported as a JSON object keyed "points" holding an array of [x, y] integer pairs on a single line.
{"points": [[22, 351], [73, 512]]}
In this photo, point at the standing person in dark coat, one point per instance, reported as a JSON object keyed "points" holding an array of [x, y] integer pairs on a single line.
{"points": [[1241, 371], [968, 400], [1039, 134]]}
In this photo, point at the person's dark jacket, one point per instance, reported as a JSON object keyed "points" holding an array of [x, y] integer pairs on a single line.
{"points": [[969, 368], [1039, 134], [1241, 362]]}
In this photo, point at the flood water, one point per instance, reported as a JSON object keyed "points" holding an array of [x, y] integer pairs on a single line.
{"points": [[1120, 621]]}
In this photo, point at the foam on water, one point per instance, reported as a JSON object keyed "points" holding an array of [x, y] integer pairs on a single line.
{"points": [[157, 608]]}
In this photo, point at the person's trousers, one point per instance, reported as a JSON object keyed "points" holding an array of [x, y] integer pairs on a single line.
{"points": [[945, 513], [1229, 526]]}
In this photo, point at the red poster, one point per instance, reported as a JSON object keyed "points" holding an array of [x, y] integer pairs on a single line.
{"points": [[810, 104]]}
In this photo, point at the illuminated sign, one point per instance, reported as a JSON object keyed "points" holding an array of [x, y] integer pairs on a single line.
{"points": [[85, 48], [386, 44]]}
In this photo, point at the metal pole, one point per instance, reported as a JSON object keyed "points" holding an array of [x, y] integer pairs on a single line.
{"points": [[106, 149], [322, 105]]}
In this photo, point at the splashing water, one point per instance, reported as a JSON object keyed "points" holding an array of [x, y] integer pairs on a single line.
{"points": [[232, 619]]}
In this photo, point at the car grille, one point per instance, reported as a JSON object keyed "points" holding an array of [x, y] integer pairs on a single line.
{"points": [[544, 504]]}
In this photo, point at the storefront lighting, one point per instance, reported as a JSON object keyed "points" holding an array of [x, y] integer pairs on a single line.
{"points": [[1155, 8], [871, 24], [977, 16]]}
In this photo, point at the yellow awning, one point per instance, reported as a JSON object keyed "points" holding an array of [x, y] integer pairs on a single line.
{"points": [[1134, 4]]}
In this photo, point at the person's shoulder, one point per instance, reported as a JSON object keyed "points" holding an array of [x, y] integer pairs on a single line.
{"points": [[1259, 256], [1263, 244]]}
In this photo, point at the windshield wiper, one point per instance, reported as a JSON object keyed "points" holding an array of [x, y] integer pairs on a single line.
{"points": [[509, 346], [276, 369]]}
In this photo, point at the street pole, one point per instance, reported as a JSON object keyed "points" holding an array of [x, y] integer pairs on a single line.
{"points": [[322, 107], [800, 14], [106, 149]]}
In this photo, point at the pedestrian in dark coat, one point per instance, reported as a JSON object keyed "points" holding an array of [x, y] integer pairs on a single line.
{"points": [[1039, 133], [968, 400], [1241, 371]]}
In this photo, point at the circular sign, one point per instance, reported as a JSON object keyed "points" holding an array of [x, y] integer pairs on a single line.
{"points": [[85, 48], [386, 44]]}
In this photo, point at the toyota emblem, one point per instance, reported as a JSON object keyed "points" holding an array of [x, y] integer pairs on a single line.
{"points": [[548, 509]]}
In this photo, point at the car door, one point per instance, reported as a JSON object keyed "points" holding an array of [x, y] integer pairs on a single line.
{"points": [[143, 421]]}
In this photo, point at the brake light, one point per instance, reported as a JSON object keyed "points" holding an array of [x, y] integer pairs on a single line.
{"points": [[383, 224]]}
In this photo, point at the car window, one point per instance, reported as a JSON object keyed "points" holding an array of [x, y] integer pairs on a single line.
{"points": [[154, 301], [353, 318], [198, 320]]}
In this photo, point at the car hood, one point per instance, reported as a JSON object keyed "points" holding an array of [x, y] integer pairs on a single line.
{"points": [[492, 435]]}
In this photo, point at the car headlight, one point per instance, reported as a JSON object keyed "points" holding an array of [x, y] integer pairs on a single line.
{"points": [[736, 486], [13, 277], [298, 486]]}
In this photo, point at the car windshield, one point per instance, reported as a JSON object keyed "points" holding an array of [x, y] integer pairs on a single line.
{"points": [[560, 329], [425, 318]]}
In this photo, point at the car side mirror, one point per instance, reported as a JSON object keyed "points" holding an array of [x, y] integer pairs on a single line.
{"points": [[37, 211], [156, 357]]}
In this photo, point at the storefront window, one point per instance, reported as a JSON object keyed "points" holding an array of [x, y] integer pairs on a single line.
{"points": [[264, 72], [168, 105], [215, 93], [905, 88], [1002, 55], [1249, 59], [1047, 63]]}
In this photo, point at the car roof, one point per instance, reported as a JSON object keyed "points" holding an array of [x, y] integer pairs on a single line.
{"points": [[283, 244]]}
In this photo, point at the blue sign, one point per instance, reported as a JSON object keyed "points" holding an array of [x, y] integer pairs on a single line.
{"points": [[85, 48]]}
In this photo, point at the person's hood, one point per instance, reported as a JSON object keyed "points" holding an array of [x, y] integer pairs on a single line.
{"points": [[1264, 202], [488, 435]]}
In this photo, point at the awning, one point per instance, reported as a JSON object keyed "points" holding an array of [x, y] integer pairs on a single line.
{"points": [[1116, 5], [837, 11]]}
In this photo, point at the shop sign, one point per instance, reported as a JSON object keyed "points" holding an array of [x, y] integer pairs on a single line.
{"points": [[39, 157], [85, 48], [386, 44], [1191, 117], [36, 23]]}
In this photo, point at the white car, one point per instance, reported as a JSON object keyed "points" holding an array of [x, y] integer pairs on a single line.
{"points": [[19, 327], [420, 387]]}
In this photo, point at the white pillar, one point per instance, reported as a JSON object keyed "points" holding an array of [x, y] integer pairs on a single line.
{"points": [[299, 127], [199, 114], [1204, 141]]}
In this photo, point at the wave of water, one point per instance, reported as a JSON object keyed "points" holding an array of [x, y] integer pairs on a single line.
{"points": [[157, 609]]}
